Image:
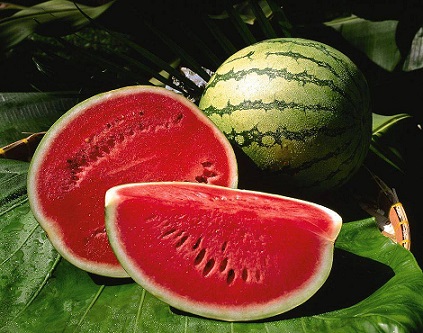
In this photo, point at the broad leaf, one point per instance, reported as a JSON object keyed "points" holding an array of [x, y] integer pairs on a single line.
{"points": [[375, 285], [376, 39], [381, 123], [24, 113], [414, 59]]}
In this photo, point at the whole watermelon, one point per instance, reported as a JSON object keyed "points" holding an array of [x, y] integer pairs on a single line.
{"points": [[298, 108]]}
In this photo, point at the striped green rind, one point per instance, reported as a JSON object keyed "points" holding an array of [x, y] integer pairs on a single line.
{"points": [[296, 107]]}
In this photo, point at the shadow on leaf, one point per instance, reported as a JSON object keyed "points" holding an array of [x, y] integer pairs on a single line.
{"points": [[352, 279], [109, 281]]}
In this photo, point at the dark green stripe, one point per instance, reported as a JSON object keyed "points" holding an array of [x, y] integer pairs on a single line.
{"points": [[302, 78], [335, 174], [274, 105], [347, 66], [281, 134], [249, 55], [330, 177]]}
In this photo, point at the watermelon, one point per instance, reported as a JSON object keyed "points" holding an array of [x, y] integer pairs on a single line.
{"points": [[297, 108], [219, 252], [131, 134]]}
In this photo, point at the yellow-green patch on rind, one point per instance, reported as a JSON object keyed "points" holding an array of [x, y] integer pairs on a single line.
{"points": [[295, 106]]}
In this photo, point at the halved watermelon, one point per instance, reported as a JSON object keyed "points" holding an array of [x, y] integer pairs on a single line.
{"points": [[132, 134], [218, 252]]}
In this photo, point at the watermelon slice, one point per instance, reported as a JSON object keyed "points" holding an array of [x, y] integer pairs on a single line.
{"points": [[132, 134], [218, 252]]}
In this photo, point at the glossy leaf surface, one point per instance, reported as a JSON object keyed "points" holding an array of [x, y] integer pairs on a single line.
{"points": [[375, 285]]}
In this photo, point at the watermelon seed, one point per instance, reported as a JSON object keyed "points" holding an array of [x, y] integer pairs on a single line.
{"points": [[244, 274], [201, 179], [73, 164], [258, 275], [197, 243], [110, 143], [181, 241], [167, 233], [94, 155], [230, 277], [179, 118], [84, 161], [199, 257], [223, 264], [224, 246], [207, 164], [130, 132], [105, 150], [209, 173], [208, 267]]}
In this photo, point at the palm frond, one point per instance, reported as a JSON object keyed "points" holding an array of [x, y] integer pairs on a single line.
{"points": [[222, 39], [262, 20], [240, 25], [284, 26], [50, 17]]}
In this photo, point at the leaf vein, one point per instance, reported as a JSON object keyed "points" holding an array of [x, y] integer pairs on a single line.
{"points": [[95, 298], [38, 291], [140, 304], [20, 246], [18, 202]]}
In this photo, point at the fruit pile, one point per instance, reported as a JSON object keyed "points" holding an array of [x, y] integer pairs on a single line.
{"points": [[141, 182]]}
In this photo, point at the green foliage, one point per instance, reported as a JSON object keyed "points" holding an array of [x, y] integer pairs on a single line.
{"points": [[22, 114], [43, 292], [382, 125], [59, 46], [54, 17]]}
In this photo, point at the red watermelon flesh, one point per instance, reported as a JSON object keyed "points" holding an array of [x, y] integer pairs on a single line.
{"points": [[132, 134], [221, 253]]}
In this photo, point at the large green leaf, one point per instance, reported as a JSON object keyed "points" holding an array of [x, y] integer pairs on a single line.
{"points": [[375, 285], [24, 113], [376, 39]]}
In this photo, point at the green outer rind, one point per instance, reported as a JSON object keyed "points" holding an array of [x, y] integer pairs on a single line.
{"points": [[227, 313], [50, 227], [309, 98]]}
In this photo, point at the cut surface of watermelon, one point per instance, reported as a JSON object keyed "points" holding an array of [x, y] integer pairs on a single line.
{"points": [[221, 253], [132, 134]]}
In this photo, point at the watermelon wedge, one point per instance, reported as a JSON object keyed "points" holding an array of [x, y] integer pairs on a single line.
{"points": [[222, 253], [131, 134]]}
